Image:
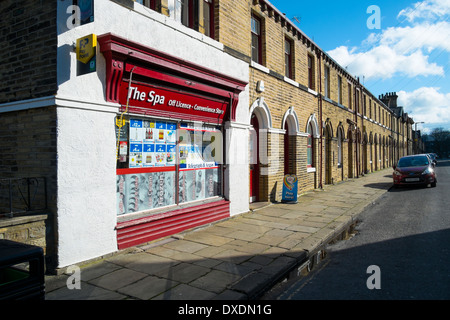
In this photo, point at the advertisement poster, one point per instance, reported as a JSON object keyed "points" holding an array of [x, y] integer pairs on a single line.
{"points": [[152, 144], [290, 187], [144, 191]]}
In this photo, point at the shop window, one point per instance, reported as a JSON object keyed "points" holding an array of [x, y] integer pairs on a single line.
{"points": [[163, 163], [256, 40]]}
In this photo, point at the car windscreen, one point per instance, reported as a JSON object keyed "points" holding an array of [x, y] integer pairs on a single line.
{"points": [[413, 162]]}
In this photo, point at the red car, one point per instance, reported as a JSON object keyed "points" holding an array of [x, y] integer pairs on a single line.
{"points": [[413, 170]]}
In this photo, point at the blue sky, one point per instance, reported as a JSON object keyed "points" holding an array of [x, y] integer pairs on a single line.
{"points": [[409, 53]]}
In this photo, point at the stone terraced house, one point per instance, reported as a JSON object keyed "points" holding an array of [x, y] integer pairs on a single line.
{"points": [[129, 121]]}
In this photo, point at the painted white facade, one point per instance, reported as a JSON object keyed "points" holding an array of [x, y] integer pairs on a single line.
{"points": [[87, 216]]}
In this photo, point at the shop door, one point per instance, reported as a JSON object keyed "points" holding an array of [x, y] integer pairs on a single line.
{"points": [[254, 165]]}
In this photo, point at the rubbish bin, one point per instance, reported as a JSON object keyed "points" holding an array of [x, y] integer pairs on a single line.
{"points": [[21, 271]]}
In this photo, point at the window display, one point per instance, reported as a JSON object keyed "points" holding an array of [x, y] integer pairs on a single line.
{"points": [[162, 163]]}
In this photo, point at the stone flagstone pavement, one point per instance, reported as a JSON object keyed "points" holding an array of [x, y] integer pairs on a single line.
{"points": [[236, 259]]}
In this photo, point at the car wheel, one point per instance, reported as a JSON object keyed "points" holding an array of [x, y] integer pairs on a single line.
{"points": [[433, 185]]}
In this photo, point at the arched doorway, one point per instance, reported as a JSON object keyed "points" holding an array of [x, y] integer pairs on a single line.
{"points": [[260, 121], [290, 126], [350, 152], [328, 155], [255, 171], [364, 154], [376, 152], [340, 150]]}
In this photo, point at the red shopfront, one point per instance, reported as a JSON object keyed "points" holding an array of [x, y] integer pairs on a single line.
{"points": [[170, 146]]}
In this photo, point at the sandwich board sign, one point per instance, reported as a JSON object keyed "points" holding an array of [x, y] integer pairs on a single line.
{"points": [[290, 188]]}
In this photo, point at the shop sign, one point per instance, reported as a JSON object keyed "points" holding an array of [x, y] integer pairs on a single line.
{"points": [[86, 54], [169, 103], [290, 187]]}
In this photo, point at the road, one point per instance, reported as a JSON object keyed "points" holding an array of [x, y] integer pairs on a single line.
{"points": [[405, 235]]}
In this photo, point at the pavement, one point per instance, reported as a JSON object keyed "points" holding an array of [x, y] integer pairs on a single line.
{"points": [[239, 258]]}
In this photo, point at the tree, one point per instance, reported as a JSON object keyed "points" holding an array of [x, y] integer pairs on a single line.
{"points": [[438, 142]]}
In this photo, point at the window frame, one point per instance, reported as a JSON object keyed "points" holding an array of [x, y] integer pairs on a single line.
{"points": [[350, 98], [310, 65], [258, 48], [181, 128], [288, 58], [327, 89], [339, 87], [148, 3]]}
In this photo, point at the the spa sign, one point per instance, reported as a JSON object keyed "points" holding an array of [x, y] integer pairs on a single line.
{"points": [[168, 103]]}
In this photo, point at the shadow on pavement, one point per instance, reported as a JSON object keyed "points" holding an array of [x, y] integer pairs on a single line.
{"points": [[379, 185], [402, 275]]}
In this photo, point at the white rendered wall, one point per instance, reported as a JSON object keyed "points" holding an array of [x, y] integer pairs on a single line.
{"points": [[86, 185], [86, 215]]}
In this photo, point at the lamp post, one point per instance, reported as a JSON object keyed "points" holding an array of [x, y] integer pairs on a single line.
{"points": [[416, 140]]}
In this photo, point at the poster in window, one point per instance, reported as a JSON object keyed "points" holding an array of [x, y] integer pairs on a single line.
{"points": [[149, 127], [137, 131], [144, 191], [135, 155], [171, 133], [171, 154], [160, 155], [149, 155], [160, 132]]}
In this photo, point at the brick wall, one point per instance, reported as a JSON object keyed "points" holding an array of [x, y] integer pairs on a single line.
{"points": [[28, 56], [28, 144]]}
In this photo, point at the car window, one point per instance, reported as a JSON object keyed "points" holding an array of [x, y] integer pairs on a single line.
{"points": [[413, 162]]}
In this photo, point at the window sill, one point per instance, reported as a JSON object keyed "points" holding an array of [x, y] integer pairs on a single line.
{"points": [[259, 67], [308, 170]]}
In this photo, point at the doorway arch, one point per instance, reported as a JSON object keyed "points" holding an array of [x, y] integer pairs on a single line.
{"points": [[260, 121], [290, 125], [350, 138], [328, 136]]}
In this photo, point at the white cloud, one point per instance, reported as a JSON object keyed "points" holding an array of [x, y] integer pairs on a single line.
{"points": [[427, 104], [425, 36], [384, 62], [428, 9], [406, 51]]}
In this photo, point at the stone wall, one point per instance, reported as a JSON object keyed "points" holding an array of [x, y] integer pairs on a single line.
{"points": [[26, 229]]}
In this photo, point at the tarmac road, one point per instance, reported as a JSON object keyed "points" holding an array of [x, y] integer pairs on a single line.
{"points": [[405, 235]]}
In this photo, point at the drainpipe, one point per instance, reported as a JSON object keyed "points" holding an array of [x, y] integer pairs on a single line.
{"points": [[320, 120]]}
